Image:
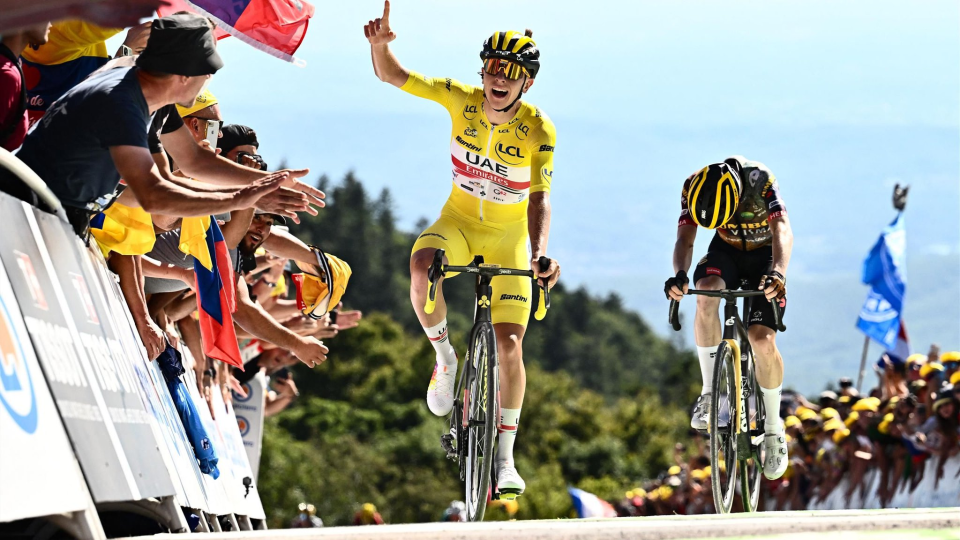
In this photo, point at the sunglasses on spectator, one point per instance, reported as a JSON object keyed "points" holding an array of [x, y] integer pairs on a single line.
{"points": [[510, 70]]}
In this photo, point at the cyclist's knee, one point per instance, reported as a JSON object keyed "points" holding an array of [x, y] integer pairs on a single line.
{"points": [[710, 283], [762, 339], [509, 341]]}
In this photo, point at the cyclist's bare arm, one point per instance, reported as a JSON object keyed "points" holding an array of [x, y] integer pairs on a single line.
{"points": [[683, 249], [538, 225], [782, 243], [683, 256], [385, 64]]}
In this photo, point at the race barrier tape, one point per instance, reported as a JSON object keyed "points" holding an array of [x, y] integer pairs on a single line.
{"points": [[87, 423]]}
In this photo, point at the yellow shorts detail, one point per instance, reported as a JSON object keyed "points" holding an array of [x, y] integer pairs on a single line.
{"points": [[463, 238]]}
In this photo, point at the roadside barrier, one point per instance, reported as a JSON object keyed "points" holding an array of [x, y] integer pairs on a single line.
{"points": [[87, 423]]}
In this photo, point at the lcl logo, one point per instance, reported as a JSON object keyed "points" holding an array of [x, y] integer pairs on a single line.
{"points": [[509, 154]]}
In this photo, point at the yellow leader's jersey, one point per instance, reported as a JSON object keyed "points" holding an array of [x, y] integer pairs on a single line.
{"points": [[495, 167]]}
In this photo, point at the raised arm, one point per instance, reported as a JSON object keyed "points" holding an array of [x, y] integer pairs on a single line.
{"points": [[385, 65]]}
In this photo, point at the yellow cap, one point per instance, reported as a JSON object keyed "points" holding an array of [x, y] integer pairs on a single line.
{"points": [[791, 421], [948, 357], [673, 471], [204, 100], [854, 416], [829, 412], [665, 492], [844, 399], [867, 404], [929, 368], [840, 435], [806, 414], [321, 286], [955, 378], [916, 359], [833, 424], [700, 474]]}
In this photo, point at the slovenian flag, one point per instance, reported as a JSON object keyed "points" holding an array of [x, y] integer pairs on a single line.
{"points": [[276, 27], [217, 300]]}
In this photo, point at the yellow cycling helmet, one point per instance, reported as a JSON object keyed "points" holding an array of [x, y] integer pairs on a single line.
{"points": [[513, 46], [713, 195]]}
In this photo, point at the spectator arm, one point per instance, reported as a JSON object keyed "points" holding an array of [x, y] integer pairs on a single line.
{"points": [[252, 318], [196, 162], [159, 196]]}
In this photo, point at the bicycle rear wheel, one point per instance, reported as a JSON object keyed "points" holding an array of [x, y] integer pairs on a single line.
{"points": [[751, 466], [481, 430], [723, 442]]}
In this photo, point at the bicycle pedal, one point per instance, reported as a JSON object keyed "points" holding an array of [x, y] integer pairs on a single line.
{"points": [[508, 494]]}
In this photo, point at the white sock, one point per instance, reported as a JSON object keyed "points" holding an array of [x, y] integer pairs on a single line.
{"points": [[509, 420], [708, 356], [440, 339], [771, 405]]}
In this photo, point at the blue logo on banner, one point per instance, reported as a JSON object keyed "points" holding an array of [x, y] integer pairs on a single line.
{"points": [[244, 426], [238, 397], [16, 381]]}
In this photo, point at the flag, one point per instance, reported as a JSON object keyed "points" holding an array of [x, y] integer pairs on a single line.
{"points": [[176, 6], [885, 270], [216, 300], [276, 27], [193, 239], [589, 505], [127, 230]]}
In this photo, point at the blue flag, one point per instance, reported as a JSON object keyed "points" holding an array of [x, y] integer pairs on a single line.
{"points": [[885, 270]]}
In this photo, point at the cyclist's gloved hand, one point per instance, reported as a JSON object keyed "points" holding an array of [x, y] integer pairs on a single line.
{"points": [[773, 285], [677, 286]]}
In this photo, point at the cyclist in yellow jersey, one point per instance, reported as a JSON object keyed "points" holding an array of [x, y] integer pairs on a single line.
{"points": [[502, 154]]}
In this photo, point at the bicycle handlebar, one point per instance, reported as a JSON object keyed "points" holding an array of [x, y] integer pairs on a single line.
{"points": [[674, 314], [541, 302]]}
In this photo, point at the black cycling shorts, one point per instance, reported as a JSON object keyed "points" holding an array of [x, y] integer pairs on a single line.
{"points": [[741, 270]]}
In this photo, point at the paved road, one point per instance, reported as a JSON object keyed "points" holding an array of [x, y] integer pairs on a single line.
{"points": [[840, 525]]}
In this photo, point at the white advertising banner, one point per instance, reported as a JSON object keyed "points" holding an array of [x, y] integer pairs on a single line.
{"points": [[249, 411], [39, 474]]}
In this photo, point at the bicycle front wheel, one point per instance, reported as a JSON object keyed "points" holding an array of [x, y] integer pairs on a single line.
{"points": [[481, 428], [751, 466], [723, 440]]}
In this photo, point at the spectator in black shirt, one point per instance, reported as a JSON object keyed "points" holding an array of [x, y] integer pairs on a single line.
{"points": [[97, 133]]}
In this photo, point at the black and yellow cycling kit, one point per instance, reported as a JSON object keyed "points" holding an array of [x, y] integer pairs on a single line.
{"points": [[495, 169]]}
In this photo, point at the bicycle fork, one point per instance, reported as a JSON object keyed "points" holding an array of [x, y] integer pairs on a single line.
{"points": [[739, 413]]}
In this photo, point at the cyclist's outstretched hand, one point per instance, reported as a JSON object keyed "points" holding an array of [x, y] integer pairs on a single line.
{"points": [[378, 30], [677, 286], [773, 285], [551, 274]]}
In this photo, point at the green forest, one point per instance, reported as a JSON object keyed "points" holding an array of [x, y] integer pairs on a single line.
{"points": [[606, 397]]}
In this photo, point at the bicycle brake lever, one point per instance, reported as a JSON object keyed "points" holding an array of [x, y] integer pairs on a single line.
{"points": [[674, 316]]}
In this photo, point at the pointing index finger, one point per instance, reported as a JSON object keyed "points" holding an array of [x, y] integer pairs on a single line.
{"points": [[386, 11]]}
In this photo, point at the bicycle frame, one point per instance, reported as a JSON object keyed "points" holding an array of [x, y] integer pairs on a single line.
{"points": [[483, 322], [735, 334]]}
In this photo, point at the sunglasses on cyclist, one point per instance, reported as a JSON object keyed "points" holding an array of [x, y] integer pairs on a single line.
{"points": [[510, 70]]}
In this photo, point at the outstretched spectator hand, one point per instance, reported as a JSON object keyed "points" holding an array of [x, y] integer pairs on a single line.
{"points": [[311, 351], [152, 337], [292, 197]]}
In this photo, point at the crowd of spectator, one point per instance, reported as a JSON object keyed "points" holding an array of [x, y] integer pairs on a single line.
{"points": [[134, 148], [837, 441]]}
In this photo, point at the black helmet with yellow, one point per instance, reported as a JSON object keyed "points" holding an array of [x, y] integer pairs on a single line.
{"points": [[515, 47], [713, 195]]}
